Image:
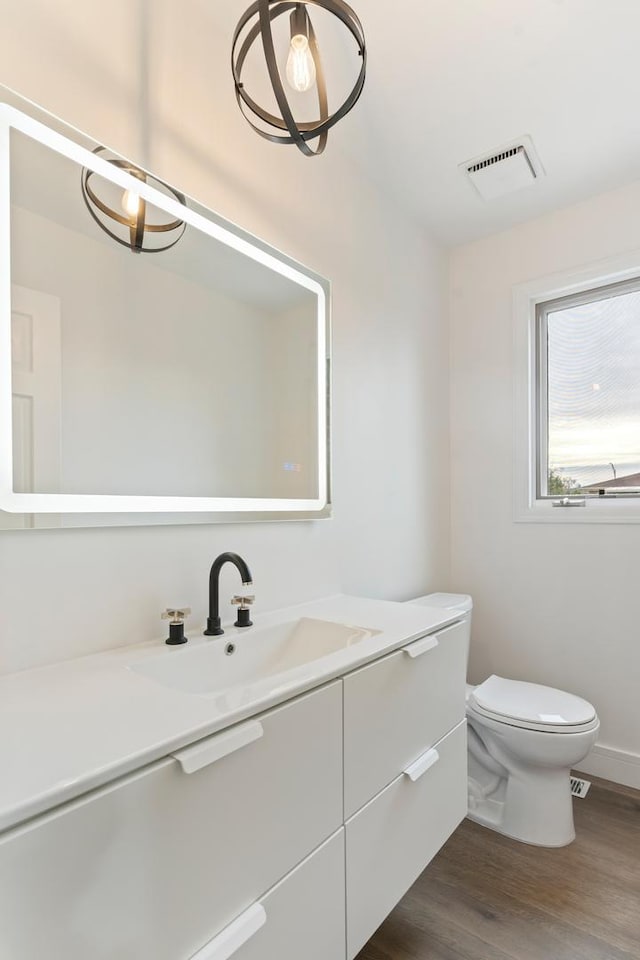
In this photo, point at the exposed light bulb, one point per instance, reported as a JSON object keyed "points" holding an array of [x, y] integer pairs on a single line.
{"points": [[130, 203], [301, 70]]}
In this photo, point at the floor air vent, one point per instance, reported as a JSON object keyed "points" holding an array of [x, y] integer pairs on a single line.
{"points": [[579, 788]]}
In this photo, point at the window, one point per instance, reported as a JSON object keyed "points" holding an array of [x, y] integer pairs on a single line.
{"points": [[577, 396], [589, 393]]}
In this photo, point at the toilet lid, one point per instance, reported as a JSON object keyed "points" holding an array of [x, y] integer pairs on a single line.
{"points": [[531, 703]]}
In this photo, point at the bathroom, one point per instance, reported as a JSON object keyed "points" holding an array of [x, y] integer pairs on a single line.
{"points": [[424, 432]]}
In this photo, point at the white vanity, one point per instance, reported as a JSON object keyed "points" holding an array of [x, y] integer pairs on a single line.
{"points": [[265, 795], [277, 818]]}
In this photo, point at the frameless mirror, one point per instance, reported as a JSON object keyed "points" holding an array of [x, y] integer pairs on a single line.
{"points": [[189, 383]]}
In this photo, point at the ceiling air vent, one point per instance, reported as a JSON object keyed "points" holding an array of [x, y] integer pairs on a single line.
{"points": [[511, 168]]}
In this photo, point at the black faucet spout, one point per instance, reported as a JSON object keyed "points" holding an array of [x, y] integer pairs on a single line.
{"points": [[213, 620]]}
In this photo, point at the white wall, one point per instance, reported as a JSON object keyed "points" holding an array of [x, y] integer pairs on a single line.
{"points": [[160, 372], [151, 79], [554, 603]]}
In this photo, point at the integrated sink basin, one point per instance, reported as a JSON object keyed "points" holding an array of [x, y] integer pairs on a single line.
{"points": [[252, 657]]}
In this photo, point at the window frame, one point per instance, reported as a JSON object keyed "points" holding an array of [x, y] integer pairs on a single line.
{"points": [[532, 302]]}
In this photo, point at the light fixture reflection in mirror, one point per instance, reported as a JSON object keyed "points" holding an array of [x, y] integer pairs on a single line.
{"points": [[142, 232]]}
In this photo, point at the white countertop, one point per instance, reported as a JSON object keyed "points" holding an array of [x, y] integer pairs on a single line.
{"points": [[74, 726]]}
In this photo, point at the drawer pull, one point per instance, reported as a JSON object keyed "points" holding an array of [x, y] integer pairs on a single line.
{"points": [[215, 748], [421, 646], [229, 940], [415, 770]]}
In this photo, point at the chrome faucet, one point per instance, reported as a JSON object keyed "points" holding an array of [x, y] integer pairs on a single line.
{"points": [[213, 620]]}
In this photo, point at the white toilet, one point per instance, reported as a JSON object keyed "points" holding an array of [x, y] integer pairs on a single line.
{"points": [[523, 741]]}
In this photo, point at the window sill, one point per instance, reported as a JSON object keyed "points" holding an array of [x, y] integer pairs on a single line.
{"points": [[595, 510]]}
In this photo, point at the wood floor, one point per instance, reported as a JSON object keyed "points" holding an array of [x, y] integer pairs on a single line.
{"points": [[485, 897]]}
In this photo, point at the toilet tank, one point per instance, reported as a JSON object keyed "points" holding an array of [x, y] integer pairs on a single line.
{"points": [[460, 604]]}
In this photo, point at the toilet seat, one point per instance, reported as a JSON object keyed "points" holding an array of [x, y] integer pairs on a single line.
{"points": [[531, 706]]}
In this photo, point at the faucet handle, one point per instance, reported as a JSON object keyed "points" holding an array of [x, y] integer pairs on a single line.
{"points": [[176, 617], [176, 614], [242, 602]]}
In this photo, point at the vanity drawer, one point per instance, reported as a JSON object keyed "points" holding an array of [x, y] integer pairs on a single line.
{"points": [[397, 707], [303, 916], [155, 865], [393, 838]]}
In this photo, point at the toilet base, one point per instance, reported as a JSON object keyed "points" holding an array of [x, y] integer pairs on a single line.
{"points": [[490, 818], [540, 814]]}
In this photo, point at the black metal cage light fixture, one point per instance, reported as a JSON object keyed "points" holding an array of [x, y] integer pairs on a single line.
{"points": [[131, 226], [303, 70]]}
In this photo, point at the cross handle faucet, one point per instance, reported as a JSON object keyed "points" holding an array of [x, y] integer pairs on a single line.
{"points": [[214, 628]]}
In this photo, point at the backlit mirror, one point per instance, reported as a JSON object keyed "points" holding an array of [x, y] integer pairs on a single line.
{"points": [[187, 384]]}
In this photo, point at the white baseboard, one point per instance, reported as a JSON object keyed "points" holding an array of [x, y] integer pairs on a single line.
{"points": [[615, 765]]}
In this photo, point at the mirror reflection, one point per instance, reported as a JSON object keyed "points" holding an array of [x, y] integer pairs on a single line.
{"points": [[194, 372]]}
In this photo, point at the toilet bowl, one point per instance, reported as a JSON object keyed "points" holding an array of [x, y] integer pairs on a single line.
{"points": [[523, 740]]}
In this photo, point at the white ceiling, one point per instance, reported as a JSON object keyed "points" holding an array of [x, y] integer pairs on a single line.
{"points": [[451, 79]]}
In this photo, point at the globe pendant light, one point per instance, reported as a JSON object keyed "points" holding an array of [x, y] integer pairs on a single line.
{"points": [[303, 70], [130, 226]]}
